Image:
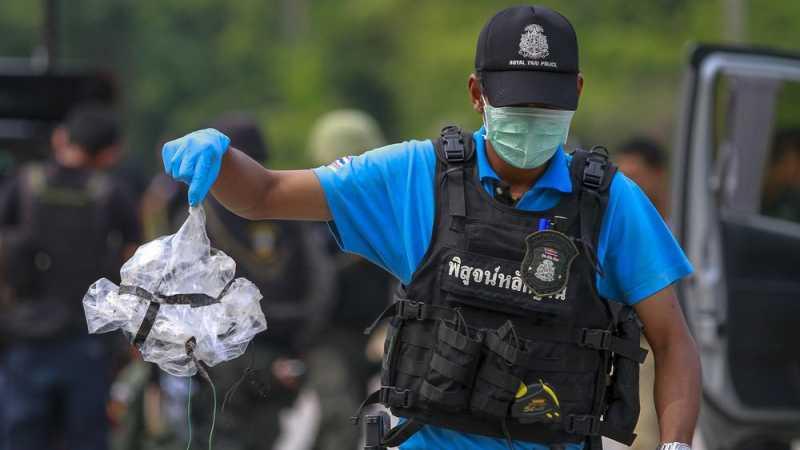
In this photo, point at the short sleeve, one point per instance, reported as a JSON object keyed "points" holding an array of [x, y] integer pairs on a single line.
{"points": [[382, 204], [637, 250]]}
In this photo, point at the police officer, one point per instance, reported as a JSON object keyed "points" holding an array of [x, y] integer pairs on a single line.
{"points": [[522, 265]]}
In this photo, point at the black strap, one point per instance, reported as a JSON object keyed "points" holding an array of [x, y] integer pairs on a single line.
{"points": [[402, 432], [455, 149], [147, 324], [603, 340], [588, 205], [193, 300], [411, 310], [372, 398], [155, 301], [628, 349], [389, 396], [456, 197]]}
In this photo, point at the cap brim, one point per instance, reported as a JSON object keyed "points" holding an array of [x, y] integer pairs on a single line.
{"points": [[524, 87]]}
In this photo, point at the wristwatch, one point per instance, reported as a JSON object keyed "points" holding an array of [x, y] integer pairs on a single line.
{"points": [[674, 446]]}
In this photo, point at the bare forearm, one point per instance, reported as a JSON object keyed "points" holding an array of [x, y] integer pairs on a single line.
{"points": [[249, 190], [677, 389]]}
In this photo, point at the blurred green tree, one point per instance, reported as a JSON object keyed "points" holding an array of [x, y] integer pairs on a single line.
{"points": [[181, 62]]}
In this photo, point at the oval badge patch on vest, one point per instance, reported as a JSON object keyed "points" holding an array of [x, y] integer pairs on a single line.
{"points": [[548, 258]]}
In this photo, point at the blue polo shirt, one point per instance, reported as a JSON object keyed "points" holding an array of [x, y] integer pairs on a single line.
{"points": [[383, 206]]}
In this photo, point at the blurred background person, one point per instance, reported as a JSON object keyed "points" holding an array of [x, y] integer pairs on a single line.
{"points": [[644, 161], [289, 263], [64, 223], [781, 194], [337, 362]]}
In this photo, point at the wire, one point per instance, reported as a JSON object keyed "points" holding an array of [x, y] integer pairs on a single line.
{"points": [[231, 390], [190, 346], [213, 414], [189, 414]]}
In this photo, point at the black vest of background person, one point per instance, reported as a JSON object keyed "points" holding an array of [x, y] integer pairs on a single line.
{"points": [[63, 242], [471, 348], [287, 261]]}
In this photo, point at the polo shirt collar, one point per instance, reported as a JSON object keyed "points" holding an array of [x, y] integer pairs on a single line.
{"points": [[556, 177]]}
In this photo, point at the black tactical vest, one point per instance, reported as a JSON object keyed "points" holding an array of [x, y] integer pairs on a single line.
{"points": [[64, 242], [470, 347]]}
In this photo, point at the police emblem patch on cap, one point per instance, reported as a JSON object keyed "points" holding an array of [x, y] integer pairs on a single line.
{"points": [[533, 43], [548, 258]]}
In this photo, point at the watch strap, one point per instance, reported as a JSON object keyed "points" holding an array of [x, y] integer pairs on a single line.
{"points": [[674, 446]]}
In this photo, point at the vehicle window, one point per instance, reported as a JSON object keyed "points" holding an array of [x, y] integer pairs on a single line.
{"points": [[780, 190], [756, 157]]}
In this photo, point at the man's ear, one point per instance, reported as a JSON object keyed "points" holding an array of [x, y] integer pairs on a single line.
{"points": [[580, 84], [475, 93]]}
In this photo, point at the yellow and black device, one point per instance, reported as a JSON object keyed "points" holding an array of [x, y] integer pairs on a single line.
{"points": [[536, 402]]}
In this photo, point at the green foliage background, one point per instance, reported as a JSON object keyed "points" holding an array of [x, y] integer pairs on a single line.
{"points": [[181, 62]]}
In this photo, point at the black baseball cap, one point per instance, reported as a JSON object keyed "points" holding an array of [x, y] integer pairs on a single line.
{"points": [[528, 54]]}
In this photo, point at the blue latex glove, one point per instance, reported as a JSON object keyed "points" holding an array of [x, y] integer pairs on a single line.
{"points": [[195, 159]]}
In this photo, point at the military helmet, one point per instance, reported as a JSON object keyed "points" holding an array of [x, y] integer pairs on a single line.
{"points": [[344, 132]]}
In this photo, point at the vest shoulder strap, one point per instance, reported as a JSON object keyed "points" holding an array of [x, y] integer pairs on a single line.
{"points": [[592, 173], [455, 151]]}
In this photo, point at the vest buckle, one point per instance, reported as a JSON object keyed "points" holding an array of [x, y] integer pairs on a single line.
{"points": [[411, 310], [453, 143], [594, 171], [582, 424], [395, 397], [595, 339]]}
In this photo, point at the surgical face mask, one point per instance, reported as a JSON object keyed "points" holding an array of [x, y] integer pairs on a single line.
{"points": [[526, 137]]}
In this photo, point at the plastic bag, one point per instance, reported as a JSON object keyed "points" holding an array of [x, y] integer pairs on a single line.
{"points": [[178, 299]]}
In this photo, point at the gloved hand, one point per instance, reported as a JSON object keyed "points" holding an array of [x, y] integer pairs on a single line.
{"points": [[195, 159]]}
